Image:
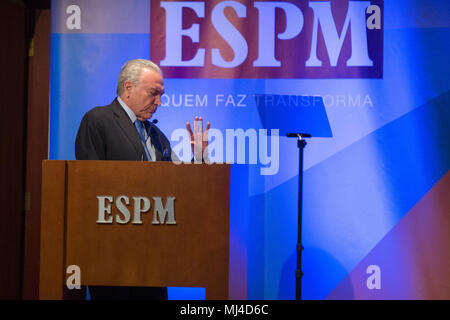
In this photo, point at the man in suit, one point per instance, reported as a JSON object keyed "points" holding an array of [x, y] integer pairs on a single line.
{"points": [[121, 131]]}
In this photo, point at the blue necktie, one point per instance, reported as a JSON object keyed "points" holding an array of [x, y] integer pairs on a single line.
{"points": [[141, 131]]}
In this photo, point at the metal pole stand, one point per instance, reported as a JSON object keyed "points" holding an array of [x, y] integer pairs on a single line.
{"points": [[301, 143]]}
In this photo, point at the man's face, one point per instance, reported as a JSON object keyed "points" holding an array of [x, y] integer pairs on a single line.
{"points": [[144, 98]]}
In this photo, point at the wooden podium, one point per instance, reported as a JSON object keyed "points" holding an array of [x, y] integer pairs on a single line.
{"points": [[85, 223]]}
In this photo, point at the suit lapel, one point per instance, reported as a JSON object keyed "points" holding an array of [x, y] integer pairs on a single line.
{"points": [[128, 128]]}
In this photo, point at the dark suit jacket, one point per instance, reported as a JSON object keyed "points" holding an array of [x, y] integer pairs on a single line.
{"points": [[107, 133]]}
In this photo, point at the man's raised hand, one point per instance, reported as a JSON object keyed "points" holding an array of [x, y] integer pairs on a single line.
{"points": [[199, 138]]}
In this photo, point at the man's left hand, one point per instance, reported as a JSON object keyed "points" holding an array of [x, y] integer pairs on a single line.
{"points": [[199, 138]]}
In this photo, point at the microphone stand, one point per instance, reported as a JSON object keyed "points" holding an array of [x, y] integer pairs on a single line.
{"points": [[301, 143]]}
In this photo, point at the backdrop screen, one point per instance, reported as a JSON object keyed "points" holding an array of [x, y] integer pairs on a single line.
{"points": [[368, 79]]}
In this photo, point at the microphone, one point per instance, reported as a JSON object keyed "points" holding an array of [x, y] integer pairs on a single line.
{"points": [[165, 153]]}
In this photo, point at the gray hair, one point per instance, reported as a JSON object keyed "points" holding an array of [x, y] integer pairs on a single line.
{"points": [[131, 72]]}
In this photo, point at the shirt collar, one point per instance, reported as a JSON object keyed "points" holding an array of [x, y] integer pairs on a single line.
{"points": [[127, 109]]}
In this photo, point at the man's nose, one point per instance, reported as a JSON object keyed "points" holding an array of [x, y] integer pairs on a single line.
{"points": [[158, 101]]}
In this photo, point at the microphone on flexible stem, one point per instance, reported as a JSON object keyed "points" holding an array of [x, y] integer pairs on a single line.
{"points": [[165, 153], [153, 122]]}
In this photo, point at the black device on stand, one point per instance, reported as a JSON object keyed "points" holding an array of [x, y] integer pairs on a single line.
{"points": [[295, 113]]}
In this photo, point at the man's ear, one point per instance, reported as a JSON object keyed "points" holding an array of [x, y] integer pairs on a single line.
{"points": [[127, 85]]}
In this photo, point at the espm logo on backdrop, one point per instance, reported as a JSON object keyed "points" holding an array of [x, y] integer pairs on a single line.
{"points": [[268, 39]]}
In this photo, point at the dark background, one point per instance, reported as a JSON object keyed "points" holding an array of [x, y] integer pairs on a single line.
{"points": [[25, 65]]}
